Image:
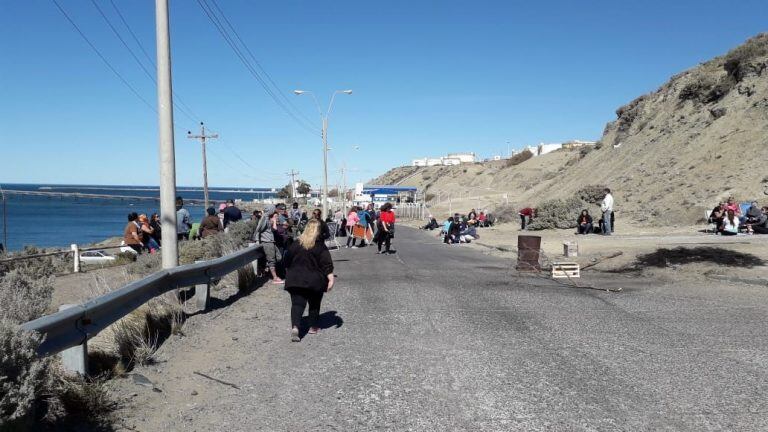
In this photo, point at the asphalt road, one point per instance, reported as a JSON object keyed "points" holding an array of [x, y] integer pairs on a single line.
{"points": [[444, 338]]}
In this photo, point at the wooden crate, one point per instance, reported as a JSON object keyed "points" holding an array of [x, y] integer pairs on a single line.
{"points": [[565, 269]]}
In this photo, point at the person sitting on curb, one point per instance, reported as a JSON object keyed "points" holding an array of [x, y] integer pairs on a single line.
{"points": [[716, 216], [584, 222], [730, 224]]}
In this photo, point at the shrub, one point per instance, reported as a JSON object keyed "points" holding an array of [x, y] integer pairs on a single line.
{"points": [[557, 213], [198, 250], [36, 267], [519, 158], [25, 297], [592, 194], [24, 379], [747, 59], [505, 213]]}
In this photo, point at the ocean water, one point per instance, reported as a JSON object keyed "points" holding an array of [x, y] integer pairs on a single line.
{"points": [[58, 222]]}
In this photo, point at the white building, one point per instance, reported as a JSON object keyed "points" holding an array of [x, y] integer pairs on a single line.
{"points": [[547, 148], [469, 157], [450, 159]]}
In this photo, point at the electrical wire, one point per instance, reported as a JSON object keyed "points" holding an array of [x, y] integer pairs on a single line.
{"points": [[176, 96], [104, 59], [258, 64], [228, 39], [181, 106]]}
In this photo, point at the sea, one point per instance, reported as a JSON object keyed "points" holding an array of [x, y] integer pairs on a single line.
{"points": [[53, 221]]}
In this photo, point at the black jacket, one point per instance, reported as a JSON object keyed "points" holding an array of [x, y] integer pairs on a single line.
{"points": [[308, 268], [589, 220]]}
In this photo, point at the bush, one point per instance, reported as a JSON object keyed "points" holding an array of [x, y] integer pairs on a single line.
{"points": [[25, 297], [519, 158], [36, 267], [557, 213], [505, 213], [592, 194], [747, 59], [24, 379]]}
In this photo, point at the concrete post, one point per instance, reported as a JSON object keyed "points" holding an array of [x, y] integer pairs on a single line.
{"points": [[75, 359], [76, 257], [202, 294]]}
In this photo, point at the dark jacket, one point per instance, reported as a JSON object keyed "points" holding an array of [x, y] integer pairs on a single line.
{"points": [[308, 268], [589, 219], [232, 214]]}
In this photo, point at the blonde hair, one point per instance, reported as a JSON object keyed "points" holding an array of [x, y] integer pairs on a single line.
{"points": [[311, 232]]}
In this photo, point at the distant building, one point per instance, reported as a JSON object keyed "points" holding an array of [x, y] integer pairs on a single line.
{"points": [[469, 157], [379, 194], [543, 149], [573, 144], [450, 159]]}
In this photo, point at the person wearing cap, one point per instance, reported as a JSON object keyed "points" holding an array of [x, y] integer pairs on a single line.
{"points": [[211, 224], [265, 236]]}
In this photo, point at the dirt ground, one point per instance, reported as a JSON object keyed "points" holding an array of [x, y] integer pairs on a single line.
{"points": [[648, 250]]}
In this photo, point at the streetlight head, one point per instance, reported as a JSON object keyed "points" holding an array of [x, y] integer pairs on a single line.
{"points": [[299, 92], [347, 92]]}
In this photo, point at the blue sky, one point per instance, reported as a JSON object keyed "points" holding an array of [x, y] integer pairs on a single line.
{"points": [[429, 77]]}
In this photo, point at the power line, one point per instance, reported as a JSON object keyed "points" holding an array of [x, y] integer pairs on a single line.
{"points": [[104, 59], [228, 39], [258, 64], [178, 99], [181, 107]]}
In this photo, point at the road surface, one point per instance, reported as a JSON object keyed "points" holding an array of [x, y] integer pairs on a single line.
{"points": [[443, 338]]}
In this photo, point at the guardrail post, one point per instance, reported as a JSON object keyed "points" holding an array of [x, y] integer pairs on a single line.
{"points": [[75, 359], [76, 256], [202, 294]]}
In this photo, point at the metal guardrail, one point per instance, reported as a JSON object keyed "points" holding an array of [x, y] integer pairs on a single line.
{"points": [[74, 326]]}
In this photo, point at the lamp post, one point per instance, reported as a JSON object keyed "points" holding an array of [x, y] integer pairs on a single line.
{"points": [[5, 224], [324, 118]]}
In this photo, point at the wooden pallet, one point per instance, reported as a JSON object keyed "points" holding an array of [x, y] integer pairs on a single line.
{"points": [[565, 269]]}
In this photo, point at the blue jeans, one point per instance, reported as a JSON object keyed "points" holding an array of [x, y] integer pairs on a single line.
{"points": [[607, 222]]}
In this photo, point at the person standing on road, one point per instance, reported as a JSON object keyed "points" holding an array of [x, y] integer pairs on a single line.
{"points": [[364, 219], [607, 208], [352, 220], [183, 223], [386, 228], [265, 236], [309, 274]]}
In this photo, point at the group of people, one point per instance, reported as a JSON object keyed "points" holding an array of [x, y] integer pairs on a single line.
{"points": [[367, 225], [144, 234], [295, 246], [729, 219], [460, 228], [584, 222]]}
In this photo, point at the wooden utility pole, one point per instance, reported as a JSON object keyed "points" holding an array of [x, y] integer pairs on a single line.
{"points": [[202, 137], [293, 175]]}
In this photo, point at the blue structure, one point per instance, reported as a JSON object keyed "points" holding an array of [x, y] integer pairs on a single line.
{"points": [[379, 194]]}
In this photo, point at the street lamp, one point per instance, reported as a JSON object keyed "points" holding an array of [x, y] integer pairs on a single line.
{"points": [[324, 118]]}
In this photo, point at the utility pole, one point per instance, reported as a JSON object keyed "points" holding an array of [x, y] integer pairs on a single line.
{"points": [[202, 137], [293, 175], [5, 224], [343, 190], [170, 249]]}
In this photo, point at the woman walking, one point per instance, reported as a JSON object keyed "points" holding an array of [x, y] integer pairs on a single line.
{"points": [[386, 228], [352, 221], [309, 274]]}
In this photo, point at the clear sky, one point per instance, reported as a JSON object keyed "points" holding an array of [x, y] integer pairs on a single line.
{"points": [[429, 77]]}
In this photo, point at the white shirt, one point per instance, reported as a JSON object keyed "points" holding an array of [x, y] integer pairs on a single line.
{"points": [[607, 203]]}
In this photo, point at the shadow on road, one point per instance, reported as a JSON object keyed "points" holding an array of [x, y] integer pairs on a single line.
{"points": [[327, 320], [664, 257], [215, 303]]}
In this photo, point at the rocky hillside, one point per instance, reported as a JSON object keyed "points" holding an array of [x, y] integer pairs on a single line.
{"points": [[670, 154]]}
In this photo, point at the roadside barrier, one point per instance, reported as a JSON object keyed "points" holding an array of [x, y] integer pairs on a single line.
{"points": [[73, 326], [75, 250], [411, 211]]}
